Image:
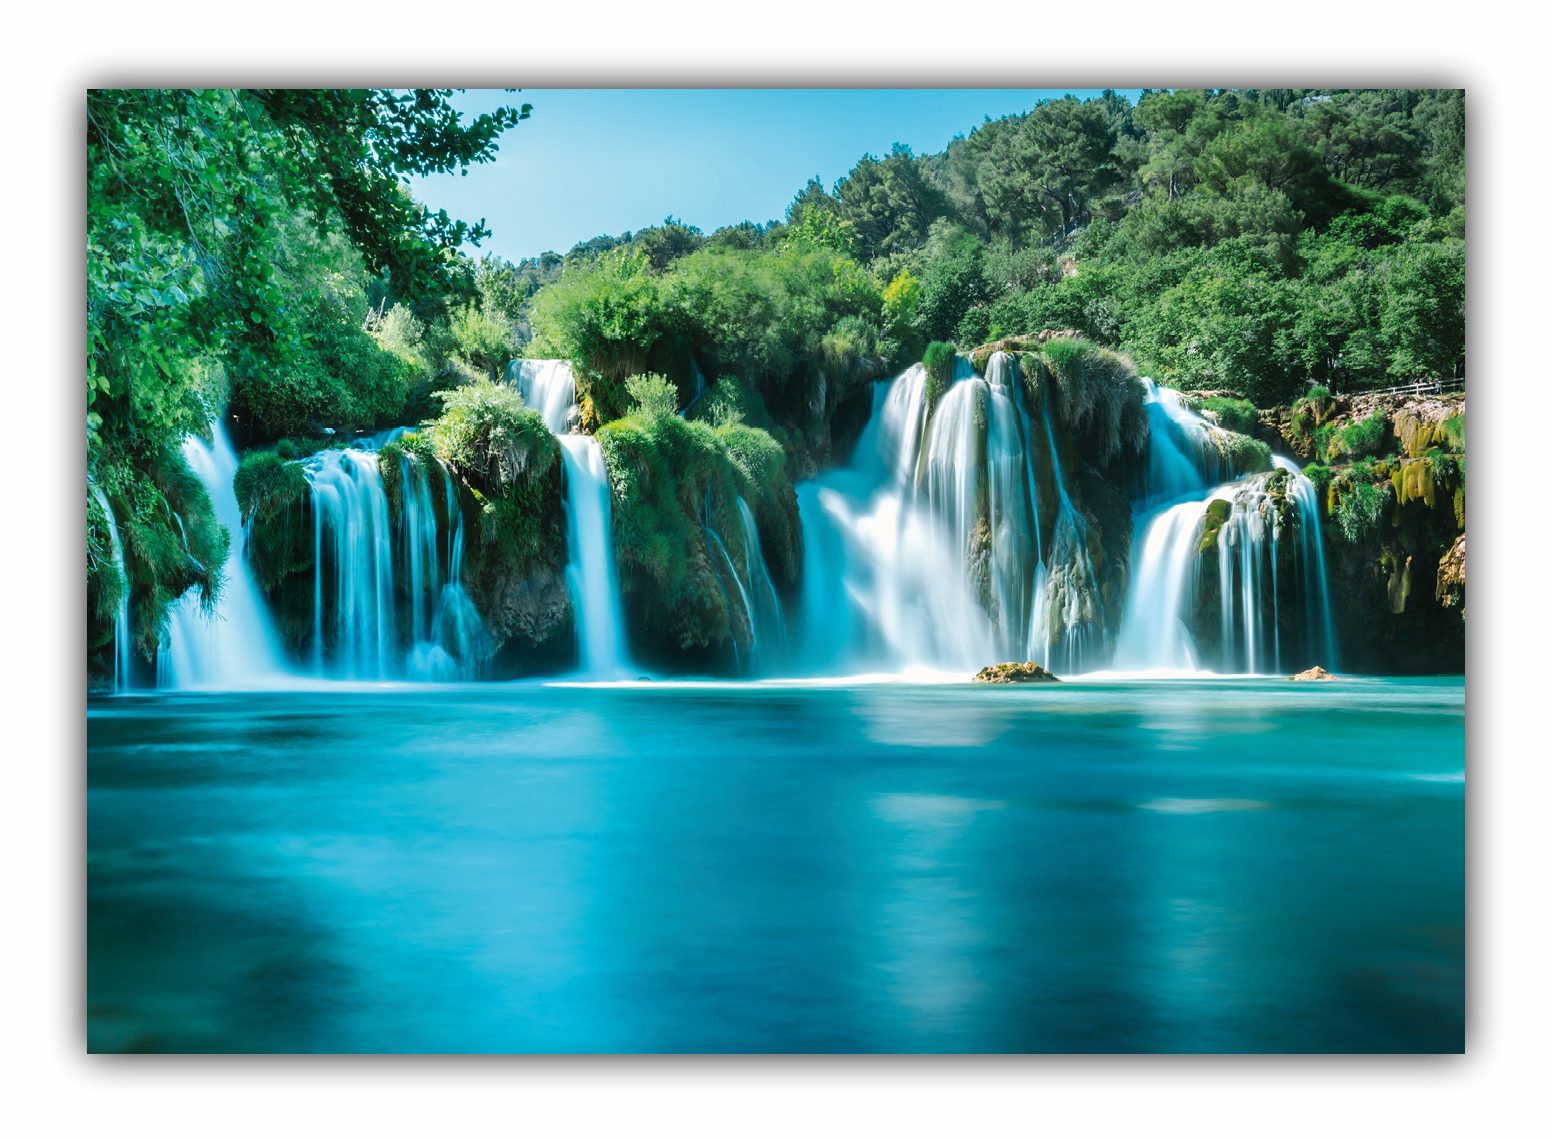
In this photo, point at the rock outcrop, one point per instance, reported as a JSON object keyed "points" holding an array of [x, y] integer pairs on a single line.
{"points": [[1316, 673], [1014, 672], [1450, 587]]}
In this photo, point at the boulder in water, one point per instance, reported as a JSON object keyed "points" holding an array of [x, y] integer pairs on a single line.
{"points": [[1012, 672], [1316, 673]]}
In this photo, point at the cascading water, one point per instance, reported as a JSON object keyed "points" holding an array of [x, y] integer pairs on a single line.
{"points": [[121, 615], [1067, 611], [767, 623], [354, 634], [1186, 509], [927, 550], [386, 603], [591, 573], [549, 387], [233, 645], [1316, 582]]}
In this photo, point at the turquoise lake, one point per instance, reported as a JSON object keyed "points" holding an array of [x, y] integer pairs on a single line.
{"points": [[1192, 866]]}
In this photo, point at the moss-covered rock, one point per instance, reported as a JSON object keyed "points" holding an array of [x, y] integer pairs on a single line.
{"points": [[507, 479], [1413, 480], [171, 539], [1218, 512], [938, 359], [1450, 579], [679, 534], [1014, 672]]}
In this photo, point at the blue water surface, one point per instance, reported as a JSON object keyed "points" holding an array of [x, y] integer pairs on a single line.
{"points": [[1235, 865]]}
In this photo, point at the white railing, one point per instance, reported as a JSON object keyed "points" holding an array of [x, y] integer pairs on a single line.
{"points": [[1418, 387]]}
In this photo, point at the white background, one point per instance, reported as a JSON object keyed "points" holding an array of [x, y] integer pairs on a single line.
{"points": [[53, 52]]}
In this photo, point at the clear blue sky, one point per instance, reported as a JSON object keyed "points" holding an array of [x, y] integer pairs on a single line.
{"points": [[592, 162]]}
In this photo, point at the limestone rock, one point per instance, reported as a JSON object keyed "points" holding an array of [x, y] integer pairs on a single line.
{"points": [[1012, 672], [1316, 673], [1450, 587]]}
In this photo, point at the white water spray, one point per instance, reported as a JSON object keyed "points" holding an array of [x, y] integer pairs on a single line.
{"points": [[232, 645]]}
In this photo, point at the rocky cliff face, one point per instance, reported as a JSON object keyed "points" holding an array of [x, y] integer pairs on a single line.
{"points": [[1393, 472]]}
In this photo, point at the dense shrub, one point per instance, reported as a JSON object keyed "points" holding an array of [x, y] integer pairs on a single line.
{"points": [[652, 396], [267, 485], [1232, 414], [1360, 507], [1363, 437], [485, 430], [674, 480], [938, 359]]}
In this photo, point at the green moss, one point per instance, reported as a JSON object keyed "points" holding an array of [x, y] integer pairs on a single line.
{"points": [[671, 478], [1455, 431], [1232, 414], [1413, 481], [487, 434], [1218, 512], [267, 485], [1364, 437], [938, 360]]}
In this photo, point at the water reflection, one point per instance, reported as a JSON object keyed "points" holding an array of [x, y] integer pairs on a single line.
{"points": [[765, 868]]}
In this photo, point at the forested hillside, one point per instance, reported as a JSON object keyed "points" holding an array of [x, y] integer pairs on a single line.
{"points": [[258, 252], [1259, 241]]}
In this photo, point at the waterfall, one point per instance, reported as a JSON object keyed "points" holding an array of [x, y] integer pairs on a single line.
{"points": [[233, 645], [356, 535], [591, 573], [1316, 582], [1188, 488], [927, 550], [549, 387], [767, 623], [757, 596], [1067, 610], [386, 603], [353, 610], [121, 616]]}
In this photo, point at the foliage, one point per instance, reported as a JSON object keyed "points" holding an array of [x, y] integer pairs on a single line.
{"points": [[1232, 414], [231, 236], [267, 485], [1362, 437], [673, 480], [652, 396], [484, 338], [1360, 507], [1320, 475], [486, 432]]}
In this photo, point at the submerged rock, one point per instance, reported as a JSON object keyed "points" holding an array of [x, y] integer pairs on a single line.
{"points": [[1012, 672], [1316, 673]]}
